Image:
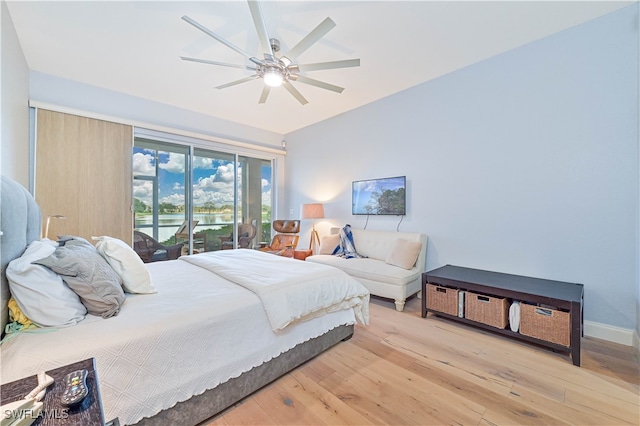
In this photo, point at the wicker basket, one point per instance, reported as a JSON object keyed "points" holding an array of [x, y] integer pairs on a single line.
{"points": [[546, 324], [442, 299], [493, 311]]}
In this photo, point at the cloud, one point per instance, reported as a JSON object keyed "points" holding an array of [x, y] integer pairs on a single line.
{"points": [[175, 199], [202, 163], [217, 188], [143, 164], [212, 183], [175, 163], [266, 198], [143, 190], [219, 198], [225, 173], [266, 192]]}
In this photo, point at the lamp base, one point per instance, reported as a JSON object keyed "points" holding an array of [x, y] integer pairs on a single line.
{"points": [[314, 241]]}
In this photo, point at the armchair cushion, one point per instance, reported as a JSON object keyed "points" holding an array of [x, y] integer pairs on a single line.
{"points": [[287, 238]]}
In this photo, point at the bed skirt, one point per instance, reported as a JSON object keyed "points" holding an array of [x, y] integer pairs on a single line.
{"points": [[206, 405]]}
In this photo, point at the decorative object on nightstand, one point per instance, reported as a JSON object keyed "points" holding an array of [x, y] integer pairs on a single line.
{"points": [[88, 412], [24, 411], [313, 211]]}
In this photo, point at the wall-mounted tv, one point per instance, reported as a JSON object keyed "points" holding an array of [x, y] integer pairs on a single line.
{"points": [[384, 196]]}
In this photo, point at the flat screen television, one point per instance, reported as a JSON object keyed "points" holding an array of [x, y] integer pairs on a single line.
{"points": [[384, 196]]}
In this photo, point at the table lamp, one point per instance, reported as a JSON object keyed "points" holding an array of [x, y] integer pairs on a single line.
{"points": [[55, 216]]}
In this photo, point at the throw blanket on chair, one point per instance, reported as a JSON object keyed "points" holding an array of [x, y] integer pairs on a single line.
{"points": [[347, 247]]}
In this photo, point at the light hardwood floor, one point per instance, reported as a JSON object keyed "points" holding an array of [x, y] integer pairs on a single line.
{"points": [[405, 369]]}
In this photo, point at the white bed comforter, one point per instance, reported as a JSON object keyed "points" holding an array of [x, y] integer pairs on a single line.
{"points": [[290, 290], [198, 331]]}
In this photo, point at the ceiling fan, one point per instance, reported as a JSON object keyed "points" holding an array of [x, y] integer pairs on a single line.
{"points": [[277, 71]]}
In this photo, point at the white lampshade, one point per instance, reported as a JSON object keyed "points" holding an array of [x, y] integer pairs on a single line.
{"points": [[313, 211]]}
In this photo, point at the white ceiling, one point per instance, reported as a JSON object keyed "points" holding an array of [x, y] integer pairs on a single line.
{"points": [[134, 47]]}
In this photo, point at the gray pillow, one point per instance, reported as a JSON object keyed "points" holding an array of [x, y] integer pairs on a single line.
{"points": [[88, 275]]}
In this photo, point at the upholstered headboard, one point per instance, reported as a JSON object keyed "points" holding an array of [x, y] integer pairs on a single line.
{"points": [[20, 222]]}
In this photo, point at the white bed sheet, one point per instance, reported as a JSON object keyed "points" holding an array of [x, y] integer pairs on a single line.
{"points": [[291, 291], [198, 331]]}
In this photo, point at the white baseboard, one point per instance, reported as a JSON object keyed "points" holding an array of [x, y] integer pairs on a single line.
{"points": [[623, 336]]}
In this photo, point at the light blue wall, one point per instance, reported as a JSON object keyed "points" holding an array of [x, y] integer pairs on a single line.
{"points": [[14, 84], [525, 163]]}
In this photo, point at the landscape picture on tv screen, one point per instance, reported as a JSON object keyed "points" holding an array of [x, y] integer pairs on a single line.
{"points": [[379, 196]]}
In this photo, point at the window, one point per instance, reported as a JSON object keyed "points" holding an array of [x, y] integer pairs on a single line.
{"points": [[175, 185]]}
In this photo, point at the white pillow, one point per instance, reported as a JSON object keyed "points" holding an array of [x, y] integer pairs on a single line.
{"points": [[126, 262], [404, 253], [329, 243], [40, 293]]}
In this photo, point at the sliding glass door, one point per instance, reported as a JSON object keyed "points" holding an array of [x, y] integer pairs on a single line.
{"points": [[201, 198], [159, 182], [213, 195], [254, 196]]}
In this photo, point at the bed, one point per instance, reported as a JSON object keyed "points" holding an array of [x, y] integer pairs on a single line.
{"points": [[204, 340]]}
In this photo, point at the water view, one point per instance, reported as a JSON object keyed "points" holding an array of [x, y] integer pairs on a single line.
{"points": [[168, 223]]}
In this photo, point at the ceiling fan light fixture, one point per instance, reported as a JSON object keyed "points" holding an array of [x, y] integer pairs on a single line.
{"points": [[277, 71], [285, 61], [272, 77]]}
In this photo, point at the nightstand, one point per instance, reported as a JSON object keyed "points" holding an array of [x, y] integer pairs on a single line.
{"points": [[89, 412]]}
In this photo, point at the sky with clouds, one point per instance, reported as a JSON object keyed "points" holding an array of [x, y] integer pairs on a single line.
{"points": [[212, 179], [363, 191]]}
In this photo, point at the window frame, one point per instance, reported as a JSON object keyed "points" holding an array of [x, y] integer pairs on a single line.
{"points": [[158, 138]]}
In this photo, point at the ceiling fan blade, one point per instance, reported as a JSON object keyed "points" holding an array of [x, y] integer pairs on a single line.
{"points": [[256, 61], [216, 36], [222, 64], [265, 93], [233, 83], [294, 92], [330, 65], [316, 34], [320, 84], [261, 29]]}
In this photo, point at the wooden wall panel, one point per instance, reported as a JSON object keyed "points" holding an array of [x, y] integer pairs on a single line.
{"points": [[83, 171]]}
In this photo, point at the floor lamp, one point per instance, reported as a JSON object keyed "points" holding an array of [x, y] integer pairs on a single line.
{"points": [[313, 211]]}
